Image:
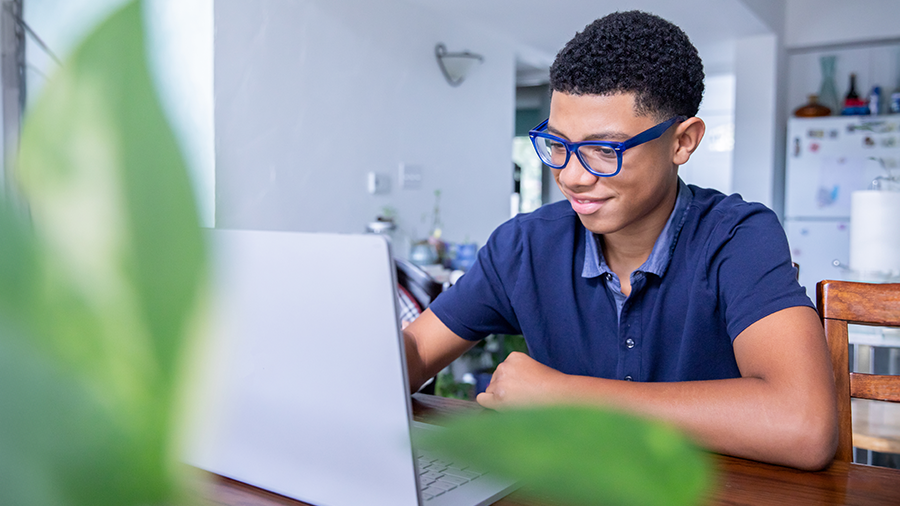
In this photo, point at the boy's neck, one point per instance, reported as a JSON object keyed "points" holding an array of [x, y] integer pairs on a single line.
{"points": [[626, 250]]}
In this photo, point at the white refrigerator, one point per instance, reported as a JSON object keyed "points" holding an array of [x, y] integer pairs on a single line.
{"points": [[827, 160]]}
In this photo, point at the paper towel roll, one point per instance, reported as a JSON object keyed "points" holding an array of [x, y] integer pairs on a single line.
{"points": [[875, 231]]}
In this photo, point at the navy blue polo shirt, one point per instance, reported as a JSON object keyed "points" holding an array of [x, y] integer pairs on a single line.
{"points": [[720, 265]]}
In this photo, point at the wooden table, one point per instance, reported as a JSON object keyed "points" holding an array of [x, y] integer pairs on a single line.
{"points": [[740, 482]]}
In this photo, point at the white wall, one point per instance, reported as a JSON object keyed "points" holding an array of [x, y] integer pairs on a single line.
{"points": [[711, 164], [755, 115], [311, 95], [828, 22], [760, 70]]}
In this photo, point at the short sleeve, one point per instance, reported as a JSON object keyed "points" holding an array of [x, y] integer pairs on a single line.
{"points": [[479, 303], [751, 265]]}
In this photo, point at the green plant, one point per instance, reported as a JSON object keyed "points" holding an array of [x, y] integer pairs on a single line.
{"points": [[447, 386], [508, 344], [99, 291], [388, 213], [580, 456], [494, 349]]}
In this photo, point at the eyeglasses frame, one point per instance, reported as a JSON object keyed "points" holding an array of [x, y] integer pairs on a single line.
{"points": [[648, 135]]}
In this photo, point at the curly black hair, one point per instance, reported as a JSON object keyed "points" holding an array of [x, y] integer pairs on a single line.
{"points": [[634, 52]]}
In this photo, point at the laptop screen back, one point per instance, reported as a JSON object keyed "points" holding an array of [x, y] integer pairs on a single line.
{"points": [[301, 389]]}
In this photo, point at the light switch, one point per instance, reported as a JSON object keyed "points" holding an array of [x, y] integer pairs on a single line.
{"points": [[377, 183], [410, 176]]}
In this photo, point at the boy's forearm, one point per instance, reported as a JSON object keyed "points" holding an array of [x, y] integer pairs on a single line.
{"points": [[414, 363], [782, 410], [430, 346], [746, 417]]}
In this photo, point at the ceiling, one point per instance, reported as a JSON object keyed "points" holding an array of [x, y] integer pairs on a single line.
{"points": [[538, 29]]}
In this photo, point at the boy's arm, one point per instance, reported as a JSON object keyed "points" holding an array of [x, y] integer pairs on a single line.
{"points": [[782, 410], [430, 347]]}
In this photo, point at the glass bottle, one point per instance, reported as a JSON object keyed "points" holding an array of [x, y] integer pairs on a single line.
{"points": [[852, 103], [828, 91], [894, 104], [875, 100], [852, 94]]}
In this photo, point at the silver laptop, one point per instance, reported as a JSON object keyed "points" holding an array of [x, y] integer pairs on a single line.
{"points": [[302, 389]]}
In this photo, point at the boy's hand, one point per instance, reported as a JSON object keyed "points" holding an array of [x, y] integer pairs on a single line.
{"points": [[521, 380]]}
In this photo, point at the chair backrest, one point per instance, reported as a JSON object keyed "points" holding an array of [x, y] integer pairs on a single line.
{"points": [[841, 303], [417, 282]]}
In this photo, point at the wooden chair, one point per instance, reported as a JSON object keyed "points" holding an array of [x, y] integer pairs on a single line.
{"points": [[841, 303]]}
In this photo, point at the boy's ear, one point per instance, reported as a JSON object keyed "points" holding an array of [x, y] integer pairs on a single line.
{"points": [[687, 137]]}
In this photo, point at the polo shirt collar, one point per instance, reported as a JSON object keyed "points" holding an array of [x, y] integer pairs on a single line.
{"points": [[660, 256]]}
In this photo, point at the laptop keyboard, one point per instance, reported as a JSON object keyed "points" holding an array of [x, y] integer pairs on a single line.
{"points": [[437, 476]]}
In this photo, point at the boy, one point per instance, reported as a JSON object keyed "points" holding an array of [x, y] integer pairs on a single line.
{"points": [[638, 291]]}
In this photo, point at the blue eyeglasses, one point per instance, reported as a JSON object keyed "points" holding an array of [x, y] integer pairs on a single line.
{"points": [[600, 158]]}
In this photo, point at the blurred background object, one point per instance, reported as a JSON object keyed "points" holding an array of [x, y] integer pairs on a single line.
{"points": [[101, 279]]}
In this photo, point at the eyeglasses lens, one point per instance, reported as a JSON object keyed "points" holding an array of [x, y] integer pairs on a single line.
{"points": [[551, 152], [600, 159]]}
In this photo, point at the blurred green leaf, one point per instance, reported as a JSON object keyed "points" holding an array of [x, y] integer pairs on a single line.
{"points": [[580, 456], [99, 294], [53, 430]]}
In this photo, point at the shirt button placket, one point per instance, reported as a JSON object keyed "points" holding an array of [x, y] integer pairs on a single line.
{"points": [[629, 343], [630, 354]]}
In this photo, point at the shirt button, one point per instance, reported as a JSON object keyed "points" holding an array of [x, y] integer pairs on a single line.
{"points": [[608, 276], [629, 378], [630, 343]]}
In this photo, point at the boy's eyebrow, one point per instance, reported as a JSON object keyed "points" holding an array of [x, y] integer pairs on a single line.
{"points": [[610, 135]]}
